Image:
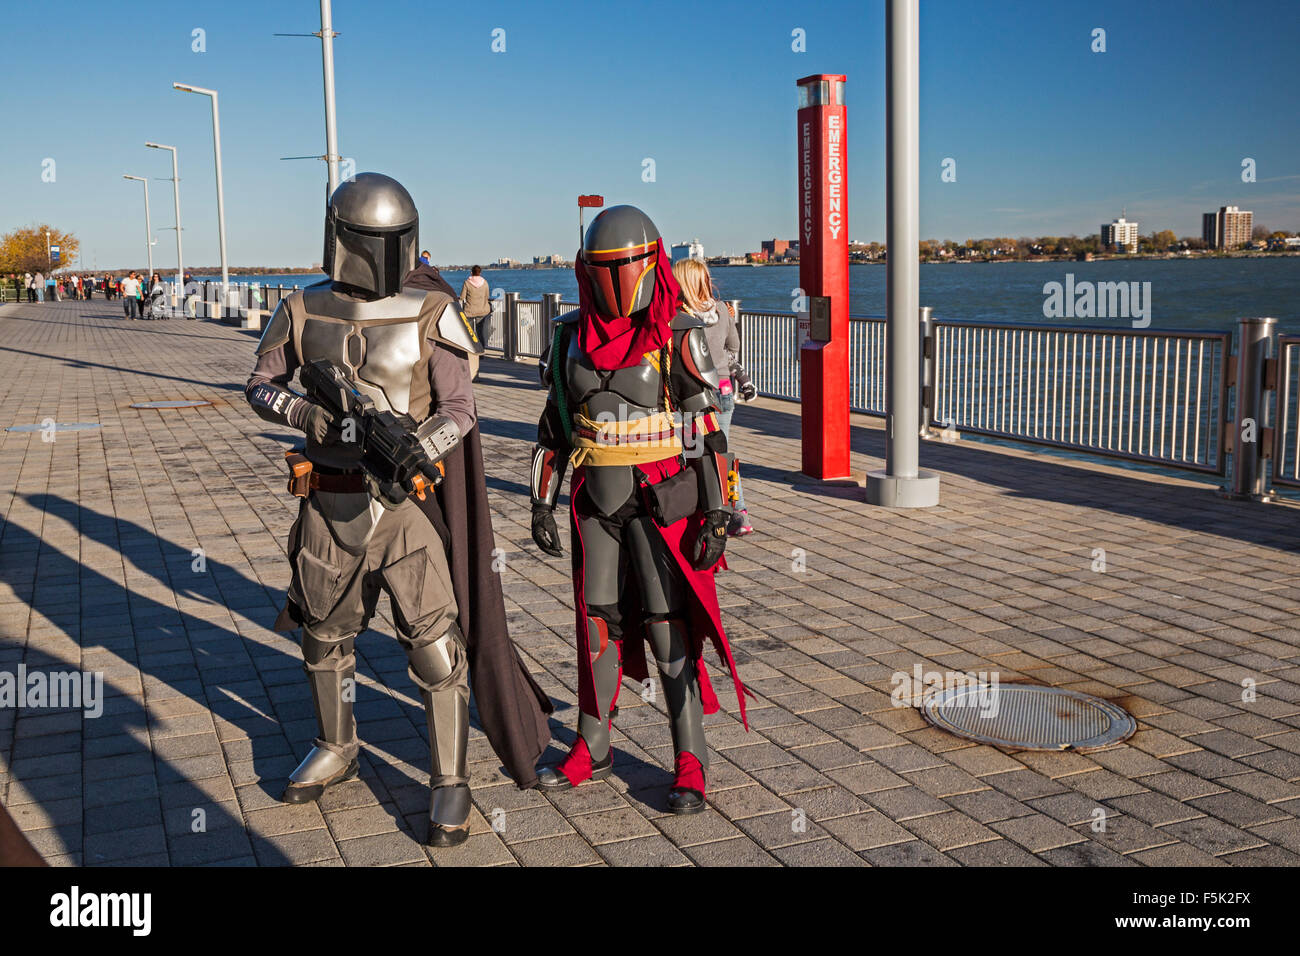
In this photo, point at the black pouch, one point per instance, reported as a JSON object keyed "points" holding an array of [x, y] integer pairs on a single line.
{"points": [[672, 499]]}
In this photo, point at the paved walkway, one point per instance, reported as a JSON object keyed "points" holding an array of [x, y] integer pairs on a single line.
{"points": [[206, 708]]}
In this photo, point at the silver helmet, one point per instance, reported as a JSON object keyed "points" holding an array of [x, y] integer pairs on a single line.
{"points": [[371, 234]]}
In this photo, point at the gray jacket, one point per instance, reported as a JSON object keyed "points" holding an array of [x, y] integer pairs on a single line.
{"points": [[723, 336]]}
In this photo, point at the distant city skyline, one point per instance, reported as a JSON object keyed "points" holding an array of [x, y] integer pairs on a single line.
{"points": [[496, 146]]}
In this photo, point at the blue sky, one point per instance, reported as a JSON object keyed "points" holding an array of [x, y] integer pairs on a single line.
{"points": [[1048, 136]]}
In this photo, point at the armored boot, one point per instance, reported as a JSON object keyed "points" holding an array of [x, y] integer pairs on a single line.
{"points": [[331, 670], [685, 713], [591, 757], [440, 669]]}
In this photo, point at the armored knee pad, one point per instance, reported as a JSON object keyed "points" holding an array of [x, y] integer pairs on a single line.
{"points": [[441, 662]]}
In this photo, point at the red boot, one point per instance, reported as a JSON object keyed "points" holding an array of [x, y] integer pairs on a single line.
{"points": [[687, 794], [576, 768]]}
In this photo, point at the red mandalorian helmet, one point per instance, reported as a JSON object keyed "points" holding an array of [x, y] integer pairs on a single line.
{"points": [[620, 252]]}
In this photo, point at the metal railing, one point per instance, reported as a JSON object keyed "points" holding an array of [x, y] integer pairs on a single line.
{"points": [[1167, 398], [1153, 397]]}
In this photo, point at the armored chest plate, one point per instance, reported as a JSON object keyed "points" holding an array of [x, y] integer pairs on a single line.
{"points": [[639, 388], [379, 343]]}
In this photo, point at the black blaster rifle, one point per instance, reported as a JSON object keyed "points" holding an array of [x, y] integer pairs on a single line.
{"points": [[398, 454]]}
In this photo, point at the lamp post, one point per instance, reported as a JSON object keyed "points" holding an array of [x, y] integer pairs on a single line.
{"points": [[327, 36], [221, 208], [148, 228], [902, 484], [176, 192]]}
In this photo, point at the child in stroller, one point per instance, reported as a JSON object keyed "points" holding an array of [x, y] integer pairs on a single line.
{"points": [[153, 305]]}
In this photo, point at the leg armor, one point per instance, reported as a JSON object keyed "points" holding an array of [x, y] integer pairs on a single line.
{"points": [[590, 757], [331, 670], [440, 668], [661, 592]]}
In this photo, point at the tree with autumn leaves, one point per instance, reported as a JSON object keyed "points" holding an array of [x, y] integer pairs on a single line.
{"points": [[24, 250]]}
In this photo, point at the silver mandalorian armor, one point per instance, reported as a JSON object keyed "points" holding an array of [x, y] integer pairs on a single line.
{"points": [[407, 351]]}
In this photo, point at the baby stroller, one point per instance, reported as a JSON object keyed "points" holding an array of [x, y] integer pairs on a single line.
{"points": [[153, 307]]}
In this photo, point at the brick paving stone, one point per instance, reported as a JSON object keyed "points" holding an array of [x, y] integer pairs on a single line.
{"points": [[1036, 833], [206, 707], [994, 853], [382, 849], [654, 850], [914, 853], [741, 851]]}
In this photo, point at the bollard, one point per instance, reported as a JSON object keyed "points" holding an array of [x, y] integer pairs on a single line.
{"points": [[509, 328], [1249, 443]]}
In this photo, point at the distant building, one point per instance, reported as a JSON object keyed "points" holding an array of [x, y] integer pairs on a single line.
{"points": [[1227, 228], [1121, 234], [775, 249], [688, 250], [507, 263]]}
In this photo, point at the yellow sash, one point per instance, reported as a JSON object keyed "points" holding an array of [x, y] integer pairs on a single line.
{"points": [[597, 443]]}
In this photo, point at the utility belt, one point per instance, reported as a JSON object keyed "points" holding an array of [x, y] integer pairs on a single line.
{"points": [[623, 442], [306, 477]]}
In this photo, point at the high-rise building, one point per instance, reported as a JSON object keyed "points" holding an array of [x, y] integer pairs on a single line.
{"points": [[1227, 228], [1121, 234]]}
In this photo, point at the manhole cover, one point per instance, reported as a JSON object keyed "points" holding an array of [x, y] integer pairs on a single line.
{"points": [[1026, 717], [172, 404], [57, 426]]}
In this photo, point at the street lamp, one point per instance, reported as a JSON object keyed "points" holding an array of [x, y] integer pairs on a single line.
{"points": [[221, 209], [148, 228], [176, 192]]}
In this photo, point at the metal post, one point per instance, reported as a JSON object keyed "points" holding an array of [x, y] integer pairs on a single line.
{"points": [[327, 36], [1255, 339], [509, 333], [902, 484], [148, 228], [550, 312]]}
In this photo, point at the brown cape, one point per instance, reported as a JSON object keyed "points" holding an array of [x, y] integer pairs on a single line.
{"points": [[512, 709]]}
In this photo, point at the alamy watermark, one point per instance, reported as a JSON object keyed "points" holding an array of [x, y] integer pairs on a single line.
{"points": [[57, 689], [981, 688], [1098, 300]]}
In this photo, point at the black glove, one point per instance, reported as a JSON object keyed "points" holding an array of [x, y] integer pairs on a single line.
{"points": [[712, 540], [545, 533], [319, 426]]}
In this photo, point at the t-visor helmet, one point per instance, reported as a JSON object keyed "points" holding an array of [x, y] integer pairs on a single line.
{"points": [[371, 234], [620, 252]]}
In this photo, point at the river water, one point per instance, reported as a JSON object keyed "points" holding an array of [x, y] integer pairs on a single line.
{"points": [[1183, 293]]}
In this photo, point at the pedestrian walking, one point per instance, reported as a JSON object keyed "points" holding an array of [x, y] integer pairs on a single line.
{"points": [[476, 301], [129, 287], [30, 282], [700, 299], [38, 285]]}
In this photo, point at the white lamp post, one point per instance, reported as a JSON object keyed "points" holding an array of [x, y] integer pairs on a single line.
{"points": [[176, 192], [221, 206], [148, 228]]}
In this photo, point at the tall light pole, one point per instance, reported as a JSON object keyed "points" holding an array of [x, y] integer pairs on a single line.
{"points": [[327, 36], [902, 484], [331, 157], [148, 227], [176, 192], [221, 208]]}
